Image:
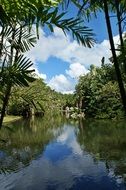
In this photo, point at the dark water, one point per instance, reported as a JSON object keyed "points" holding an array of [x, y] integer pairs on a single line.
{"points": [[54, 153]]}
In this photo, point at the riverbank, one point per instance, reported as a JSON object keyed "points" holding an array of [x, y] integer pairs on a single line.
{"points": [[11, 118]]}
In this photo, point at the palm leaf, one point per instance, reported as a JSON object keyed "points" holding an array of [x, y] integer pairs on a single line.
{"points": [[19, 73], [37, 13]]}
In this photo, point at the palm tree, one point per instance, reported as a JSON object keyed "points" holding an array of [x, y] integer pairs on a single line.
{"points": [[16, 39], [36, 13], [14, 68], [17, 74]]}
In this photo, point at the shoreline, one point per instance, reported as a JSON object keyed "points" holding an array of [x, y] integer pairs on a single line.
{"points": [[11, 118]]}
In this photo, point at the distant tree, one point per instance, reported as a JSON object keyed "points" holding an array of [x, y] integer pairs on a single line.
{"points": [[99, 93]]}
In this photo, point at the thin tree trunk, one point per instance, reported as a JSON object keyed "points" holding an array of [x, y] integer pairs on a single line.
{"points": [[119, 22], [9, 84], [118, 73], [5, 103], [1, 43], [120, 29]]}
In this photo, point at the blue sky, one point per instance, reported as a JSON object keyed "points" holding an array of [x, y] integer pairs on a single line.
{"points": [[61, 61]]}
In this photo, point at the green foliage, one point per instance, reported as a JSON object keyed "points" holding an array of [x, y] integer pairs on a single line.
{"points": [[38, 96], [18, 73], [40, 14], [15, 68], [99, 93], [108, 103], [118, 8], [17, 19], [69, 100]]}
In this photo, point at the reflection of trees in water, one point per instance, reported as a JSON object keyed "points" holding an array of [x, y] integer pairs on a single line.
{"points": [[15, 158], [28, 140], [106, 140]]}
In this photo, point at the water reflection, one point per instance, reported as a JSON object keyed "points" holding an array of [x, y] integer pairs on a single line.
{"points": [[58, 153], [28, 140], [106, 140]]}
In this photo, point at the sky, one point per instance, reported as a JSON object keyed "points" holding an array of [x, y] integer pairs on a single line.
{"points": [[60, 61]]}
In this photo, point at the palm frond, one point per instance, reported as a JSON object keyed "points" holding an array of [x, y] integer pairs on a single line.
{"points": [[37, 13], [81, 33], [19, 73], [27, 40]]}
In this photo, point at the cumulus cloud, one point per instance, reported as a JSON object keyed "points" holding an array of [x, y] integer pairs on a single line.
{"points": [[40, 75], [37, 73], [59, 46], [79, 58], [61, 84], [76, 69], [48, 46]]}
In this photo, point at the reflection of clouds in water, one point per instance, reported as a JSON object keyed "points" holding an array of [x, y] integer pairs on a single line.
{"points": [[118, 178], [63, 137], [61, 174], [68, 138], [45, 173], [55, 152], [67, 135], [76, 148]]}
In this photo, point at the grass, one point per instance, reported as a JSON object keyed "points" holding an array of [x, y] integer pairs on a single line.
{"points": [[11, 118]]}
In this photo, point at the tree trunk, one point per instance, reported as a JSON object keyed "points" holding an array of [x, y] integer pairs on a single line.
{"points": [[9, 84], [5, 103], [118, 73], [1, 41], [120, 30]]}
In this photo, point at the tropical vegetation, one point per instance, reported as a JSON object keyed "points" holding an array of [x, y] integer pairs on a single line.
{"points": [[98, 93], [18, 36], [20, 28], [38, 96]]}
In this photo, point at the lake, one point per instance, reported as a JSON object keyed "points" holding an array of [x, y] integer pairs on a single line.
{"points": [[56, 153]]}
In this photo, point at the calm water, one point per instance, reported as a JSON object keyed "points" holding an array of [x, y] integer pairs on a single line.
{"points": [[55, 153]]}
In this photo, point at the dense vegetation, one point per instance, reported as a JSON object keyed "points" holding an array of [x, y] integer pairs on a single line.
{"points": [[98, 93], [18, 36], [38, 96]]}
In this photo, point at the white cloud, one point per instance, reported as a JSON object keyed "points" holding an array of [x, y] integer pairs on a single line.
{"points": [[59, 46], [68, 91], [63, 137], [76, 69], [48, 46], [80, 58], [60, 83], [40, 75]]}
